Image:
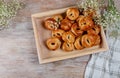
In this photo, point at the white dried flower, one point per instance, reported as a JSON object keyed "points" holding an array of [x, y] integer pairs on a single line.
{"points": [[7, 11]]}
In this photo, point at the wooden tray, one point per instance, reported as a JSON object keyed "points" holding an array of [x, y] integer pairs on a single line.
{"points": [[41, 34]]}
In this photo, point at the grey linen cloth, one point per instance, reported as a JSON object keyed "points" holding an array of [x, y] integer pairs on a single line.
{"points": [[105, 64]]}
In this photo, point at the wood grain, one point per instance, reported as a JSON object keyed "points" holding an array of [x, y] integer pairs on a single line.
{"points": [[18, 54]]}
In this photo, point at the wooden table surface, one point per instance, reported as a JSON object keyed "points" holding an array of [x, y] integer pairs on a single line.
{"points": [[18, 54]]}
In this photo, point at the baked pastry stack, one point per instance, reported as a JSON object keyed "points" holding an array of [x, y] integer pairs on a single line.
{"points": [[75, 30]]}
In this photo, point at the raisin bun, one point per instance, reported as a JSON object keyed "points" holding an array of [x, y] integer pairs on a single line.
{"points": [[66, 24], [95, 30], [51, 24], [88, 40], [72, 13], [67, 46], [85, 23], [68, 37], [53, 43], [76, 30], [57, 33], [78, 44]]}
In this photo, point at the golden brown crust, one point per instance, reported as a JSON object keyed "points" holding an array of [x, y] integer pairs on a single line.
{"points": [[72, 30], [66, 24], [57, 33], [97, 40], [58, 18], [51, 24], [53, 43], [76, 30], [72, 13], [95, 30], [85, 23], [78, 44], [80, 18], [67, 46], [68, 37], [88, 40], [71, 21]]}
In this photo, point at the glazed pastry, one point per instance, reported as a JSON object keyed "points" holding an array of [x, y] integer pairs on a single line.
{"points": [[88, 40], [68, 37], [58, 18], [78, 44], [71, 21], [67, 46], [66, 24], [95, 30], [97, 40], [57, 33], [80, 18], [51, 24], [53, 43], [72, 13], [76, 30], [85, 23]]}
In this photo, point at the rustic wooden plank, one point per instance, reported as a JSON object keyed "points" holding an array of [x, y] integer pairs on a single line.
{"points": [[18, 54]]}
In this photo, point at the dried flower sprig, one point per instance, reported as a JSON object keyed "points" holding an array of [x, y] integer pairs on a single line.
{"points": [[97, 5], [112, 17], [108, 17], [7, 11]]}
